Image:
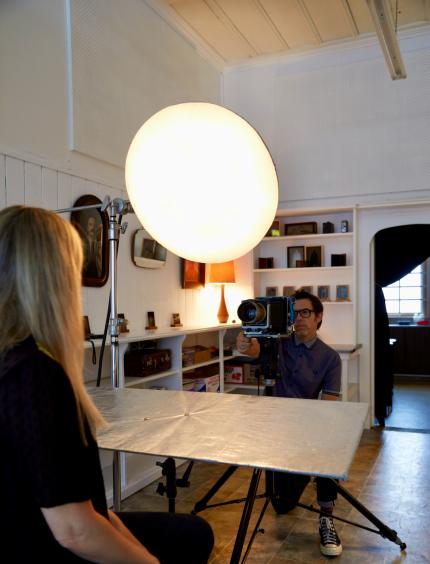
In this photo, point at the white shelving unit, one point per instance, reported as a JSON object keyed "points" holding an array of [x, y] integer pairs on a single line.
{"points": [[339, 316], [339, 323], [138, 471]]}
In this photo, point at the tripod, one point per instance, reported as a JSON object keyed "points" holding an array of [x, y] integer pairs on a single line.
{"points": [[268, 358]]}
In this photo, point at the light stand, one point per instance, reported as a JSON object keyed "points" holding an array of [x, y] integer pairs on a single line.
{"points": [[117, 207]]}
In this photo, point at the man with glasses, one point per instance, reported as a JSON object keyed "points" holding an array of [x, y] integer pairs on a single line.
{"points": [[307, 369]]}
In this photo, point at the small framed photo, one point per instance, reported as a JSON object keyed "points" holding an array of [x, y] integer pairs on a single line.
{"points": [[308, 289], [314, 256], [288, 291], [271, 291], [176, 320], [323, 292], [295, 254], [342, 293], [307, 228], [151, 321], [275, 229]]}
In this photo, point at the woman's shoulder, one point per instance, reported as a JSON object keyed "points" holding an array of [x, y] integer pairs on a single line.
{"points": [[16, 355], [27, 356]]}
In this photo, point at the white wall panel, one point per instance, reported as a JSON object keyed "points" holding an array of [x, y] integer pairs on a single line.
{"points": [[117, 85], [14, 181], [125, 69], [339, 129], [50, 188], [33, 184]]}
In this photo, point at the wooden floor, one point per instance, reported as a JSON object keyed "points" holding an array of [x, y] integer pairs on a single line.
{"points": [[390, 475]]}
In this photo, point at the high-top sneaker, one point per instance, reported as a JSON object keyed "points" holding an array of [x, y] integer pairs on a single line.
{"points": [[330, 542]]}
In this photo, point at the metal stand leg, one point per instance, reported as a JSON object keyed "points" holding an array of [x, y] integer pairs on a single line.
{"points": [[168, 470], [256, 529], [383, 530], [202, 504], [246, 515]]}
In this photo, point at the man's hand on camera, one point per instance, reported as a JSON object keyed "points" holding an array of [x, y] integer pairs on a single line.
{"points": [[248, 347]]}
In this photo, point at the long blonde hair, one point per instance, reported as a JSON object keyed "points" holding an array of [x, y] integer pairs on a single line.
{"points": [[40, 281]]}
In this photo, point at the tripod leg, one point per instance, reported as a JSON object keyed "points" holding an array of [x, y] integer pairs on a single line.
{"points": [[246, 515], [385, 531], [201, 504], [256, 528]]}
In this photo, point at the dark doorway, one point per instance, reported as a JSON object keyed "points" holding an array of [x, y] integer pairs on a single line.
{"points": [[398, 250]]}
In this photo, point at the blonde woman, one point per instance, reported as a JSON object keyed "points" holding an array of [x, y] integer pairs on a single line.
{"points": [[53, 499]]}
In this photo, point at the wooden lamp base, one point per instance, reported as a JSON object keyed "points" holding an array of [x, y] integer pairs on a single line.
{"points": [[222, 310]]}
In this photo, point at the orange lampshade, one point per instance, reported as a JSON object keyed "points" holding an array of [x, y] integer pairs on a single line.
{"points": [[222, 273]]}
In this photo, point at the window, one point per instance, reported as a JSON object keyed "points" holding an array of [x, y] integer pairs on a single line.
{"points": [[407, 296]]}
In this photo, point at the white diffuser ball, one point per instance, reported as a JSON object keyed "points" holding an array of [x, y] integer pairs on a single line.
{"points": [[202, 182]]}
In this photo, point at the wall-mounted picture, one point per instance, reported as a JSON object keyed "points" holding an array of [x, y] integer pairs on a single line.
{"points": [[323, 292], [146, 252], [308, 289], [271, 291], [288, 291], [295, 254], [92, 226], [314, 256], [275, 229], [342, 293], [192, 274], [306, 228]]}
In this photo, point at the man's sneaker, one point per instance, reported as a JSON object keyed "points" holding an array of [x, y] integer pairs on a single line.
{"points": [[330, 543]]}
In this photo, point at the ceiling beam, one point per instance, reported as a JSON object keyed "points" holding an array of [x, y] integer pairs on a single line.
{"points": [[382, 17]]}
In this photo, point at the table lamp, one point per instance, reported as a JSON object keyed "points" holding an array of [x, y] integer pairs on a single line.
{"points": [[222, 273]]}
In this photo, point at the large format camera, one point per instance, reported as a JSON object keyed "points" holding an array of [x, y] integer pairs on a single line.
{"points": [[267, 317]]}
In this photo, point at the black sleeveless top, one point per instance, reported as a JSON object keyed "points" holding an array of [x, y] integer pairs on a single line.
{"points": [[44, 461]]}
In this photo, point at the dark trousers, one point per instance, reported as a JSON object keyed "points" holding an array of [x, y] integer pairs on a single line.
{"points": [[171, 537], [286, 489]]}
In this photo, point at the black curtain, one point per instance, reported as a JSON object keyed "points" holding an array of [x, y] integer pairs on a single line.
{"points": [[398, 250]]}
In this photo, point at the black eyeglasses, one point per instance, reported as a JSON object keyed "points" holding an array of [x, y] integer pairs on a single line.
{"points": [[305, 313]]}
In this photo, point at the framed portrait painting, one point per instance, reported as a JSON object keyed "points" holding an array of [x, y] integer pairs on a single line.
{"points": [[92, 226]]}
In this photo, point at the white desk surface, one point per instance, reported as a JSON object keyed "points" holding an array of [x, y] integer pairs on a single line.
{"points": [[312, 437]]}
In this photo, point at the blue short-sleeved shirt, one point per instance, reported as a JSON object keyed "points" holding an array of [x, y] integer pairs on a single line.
{"points": [[307, 369]]}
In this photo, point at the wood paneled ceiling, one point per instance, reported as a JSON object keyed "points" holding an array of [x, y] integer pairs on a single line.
{"points": [[235, 31]]}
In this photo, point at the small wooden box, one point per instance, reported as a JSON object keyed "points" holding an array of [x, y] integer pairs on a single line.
{"points": [[140, 363], [265, 262]]}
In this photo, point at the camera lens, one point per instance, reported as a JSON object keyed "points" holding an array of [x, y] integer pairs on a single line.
{"points": [[251, 312]]}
